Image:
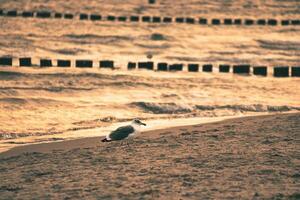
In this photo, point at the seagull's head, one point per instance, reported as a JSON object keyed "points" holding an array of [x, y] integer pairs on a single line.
{"points": [[138, 122]]}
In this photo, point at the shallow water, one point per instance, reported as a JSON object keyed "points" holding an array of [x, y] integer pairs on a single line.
{"points": [[35, 102]]}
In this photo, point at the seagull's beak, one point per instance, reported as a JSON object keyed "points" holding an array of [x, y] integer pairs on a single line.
{"points": [[143, 124]]}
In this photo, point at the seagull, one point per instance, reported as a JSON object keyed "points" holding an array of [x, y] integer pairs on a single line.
{"points": [[124, 132]]}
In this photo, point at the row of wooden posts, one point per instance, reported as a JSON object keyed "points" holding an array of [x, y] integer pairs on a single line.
{"points": [[150, 19], [278, 71]]}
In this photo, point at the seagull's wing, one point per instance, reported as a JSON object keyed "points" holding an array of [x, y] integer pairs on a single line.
{"points": [[121, 133]]}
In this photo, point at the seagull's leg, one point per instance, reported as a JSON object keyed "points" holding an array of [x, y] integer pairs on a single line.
{"points": [[129, 140]]}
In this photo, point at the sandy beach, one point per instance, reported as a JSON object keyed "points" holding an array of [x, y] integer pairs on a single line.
{"points": [[245, 158], [210, 135]]}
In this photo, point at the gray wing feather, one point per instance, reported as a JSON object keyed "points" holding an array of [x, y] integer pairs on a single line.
{"points": [[121, 133]]}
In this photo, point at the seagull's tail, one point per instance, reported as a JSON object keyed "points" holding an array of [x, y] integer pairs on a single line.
{"points": [[105, 140]]}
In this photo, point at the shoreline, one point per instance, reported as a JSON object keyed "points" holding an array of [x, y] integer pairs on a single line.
{"points": [[6, 145], [82, 142]]}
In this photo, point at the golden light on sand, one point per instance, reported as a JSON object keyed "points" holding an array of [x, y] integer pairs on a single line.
{"points": [[70, 73]]}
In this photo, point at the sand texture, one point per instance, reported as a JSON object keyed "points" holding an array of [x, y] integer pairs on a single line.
{"points": [[47, 101], [246, 158]]}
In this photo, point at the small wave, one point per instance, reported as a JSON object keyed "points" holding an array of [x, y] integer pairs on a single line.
{"points": [[249, 108], [6, 75], [183, 58], [279, 45], [162, 108], [8, 93], [13, 100], [97, 39], [93, 36], [49, 89], [169, 96], [173, 108], [23, 101], [148, 46], [74, 51]]}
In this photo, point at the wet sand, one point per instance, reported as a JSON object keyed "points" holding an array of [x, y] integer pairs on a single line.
{"points": [[244, 158], [8, 144]]}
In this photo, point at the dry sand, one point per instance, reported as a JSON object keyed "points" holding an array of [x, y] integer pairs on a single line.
{"points": [[56, 101], [246, 158]]}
